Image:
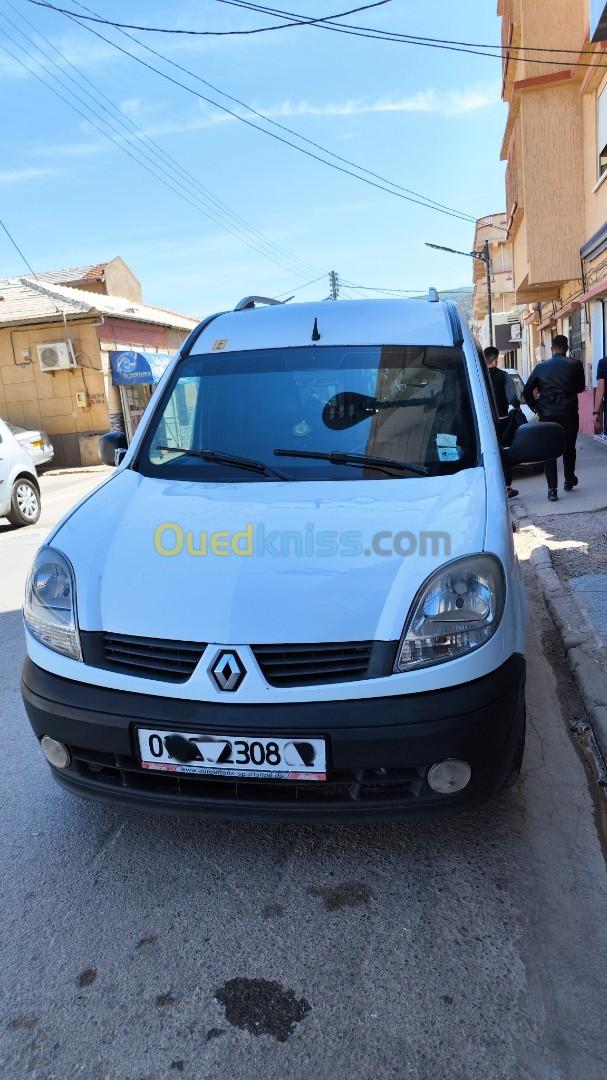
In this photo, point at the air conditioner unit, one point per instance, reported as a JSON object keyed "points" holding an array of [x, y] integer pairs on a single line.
{"points": [[57, 355]]}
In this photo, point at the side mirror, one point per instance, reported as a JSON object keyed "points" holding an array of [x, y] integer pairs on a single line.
{"points": [[112, 447], [533, 444]]}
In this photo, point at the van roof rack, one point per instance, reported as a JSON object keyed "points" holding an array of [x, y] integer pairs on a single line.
{"points": [[433, 296], [253, 301]]}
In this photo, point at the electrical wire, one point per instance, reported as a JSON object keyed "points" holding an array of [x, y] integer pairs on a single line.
{"points": [[138, 160], [298, 288], [19, 251], [377, 289], [419, 200], [34, 275], [496, 52], [223, 33], [499, 52], [283, 127], [226, 215]]}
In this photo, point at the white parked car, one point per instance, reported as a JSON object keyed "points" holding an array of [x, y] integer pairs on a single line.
{"points": [[297, 596], [37, 444], [19, 488]]}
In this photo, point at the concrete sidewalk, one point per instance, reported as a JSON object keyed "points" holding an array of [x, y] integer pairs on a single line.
{"points": [[591, 470], [566, 543]]}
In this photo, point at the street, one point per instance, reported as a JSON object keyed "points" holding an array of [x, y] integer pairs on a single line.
{"points": [[137, 947]]}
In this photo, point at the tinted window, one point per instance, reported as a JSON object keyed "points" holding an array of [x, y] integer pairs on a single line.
{"points": [[406, 403]]}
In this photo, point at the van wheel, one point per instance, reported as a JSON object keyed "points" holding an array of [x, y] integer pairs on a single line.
{"points": [[25, 503], [517, 758]]}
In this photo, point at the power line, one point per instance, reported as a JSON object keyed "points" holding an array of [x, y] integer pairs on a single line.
{"points": [[298, 288], [19, 251], [227, 217], [415, 198], [496, 52], [283, 127], [377, 289], [221, 33], [31, 270], [415, 39]]}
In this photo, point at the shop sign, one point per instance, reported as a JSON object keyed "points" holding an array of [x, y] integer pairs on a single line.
{"points": [[130, 367]]}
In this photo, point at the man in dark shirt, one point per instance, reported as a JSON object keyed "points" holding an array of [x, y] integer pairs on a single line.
{"points": [[552, 392], [499, 382]]}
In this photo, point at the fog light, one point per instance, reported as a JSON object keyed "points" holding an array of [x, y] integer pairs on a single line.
{"points": [[55, 752], [449, 776]]}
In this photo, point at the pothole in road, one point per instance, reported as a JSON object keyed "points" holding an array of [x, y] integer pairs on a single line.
{"points": [[262, 1007]]}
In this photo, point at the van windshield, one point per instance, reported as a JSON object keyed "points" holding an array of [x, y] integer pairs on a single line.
{"points": [[408, 404]]}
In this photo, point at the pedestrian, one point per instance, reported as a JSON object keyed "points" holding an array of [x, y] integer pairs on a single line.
{"points": [[552, 392], [600, 399], [501, 392]]}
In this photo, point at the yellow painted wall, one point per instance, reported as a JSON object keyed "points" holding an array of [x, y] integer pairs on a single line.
{"points": [[551, 129], [33, 398]]}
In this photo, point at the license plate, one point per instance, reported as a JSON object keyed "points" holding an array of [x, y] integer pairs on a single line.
{"points": [[250, 757]]}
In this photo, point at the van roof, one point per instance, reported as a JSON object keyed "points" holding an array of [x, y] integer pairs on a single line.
{"points": [[346, 322]]}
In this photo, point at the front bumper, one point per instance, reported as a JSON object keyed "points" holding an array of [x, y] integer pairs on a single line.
{"points": [[379, 749]]}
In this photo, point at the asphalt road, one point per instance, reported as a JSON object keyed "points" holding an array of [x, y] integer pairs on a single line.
{"points": [[136, 947]]}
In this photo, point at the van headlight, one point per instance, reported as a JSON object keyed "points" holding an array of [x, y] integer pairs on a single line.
{"points": [[50, 603], [456, 611]]}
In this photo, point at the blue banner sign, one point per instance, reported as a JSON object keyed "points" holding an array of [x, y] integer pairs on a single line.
{"points": [[138, 367]]}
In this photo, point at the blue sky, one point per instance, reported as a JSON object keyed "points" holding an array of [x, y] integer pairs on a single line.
{"points": [[429, 120]]}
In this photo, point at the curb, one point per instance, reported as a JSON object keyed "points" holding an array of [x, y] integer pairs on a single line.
{"points": [[78, 470], [586, 655]]}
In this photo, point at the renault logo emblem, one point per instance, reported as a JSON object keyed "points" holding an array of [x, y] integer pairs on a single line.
{"points": [[228, 670]]}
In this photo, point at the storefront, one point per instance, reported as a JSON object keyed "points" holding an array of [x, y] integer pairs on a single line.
{"points": [[136, 374]]}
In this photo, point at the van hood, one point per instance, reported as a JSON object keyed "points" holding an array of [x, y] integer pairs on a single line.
{"points": [[312, 561]]}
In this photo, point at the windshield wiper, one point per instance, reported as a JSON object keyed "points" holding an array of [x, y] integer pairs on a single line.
{"points": [[228, 459], [361, 461]]}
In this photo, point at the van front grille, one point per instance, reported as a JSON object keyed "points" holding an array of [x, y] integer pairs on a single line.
{"points": [[147, 658], [334, 662]]}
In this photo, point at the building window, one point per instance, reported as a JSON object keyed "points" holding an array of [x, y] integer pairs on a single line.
{"points": [[602, 132]]}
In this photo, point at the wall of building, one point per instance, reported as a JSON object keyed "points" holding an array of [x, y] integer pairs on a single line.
{"points": [[551, 130], [33, 398], [121, 281]]}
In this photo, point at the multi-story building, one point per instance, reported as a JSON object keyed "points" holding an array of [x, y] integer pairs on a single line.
{"points": [[555, 145], [506, 317]]}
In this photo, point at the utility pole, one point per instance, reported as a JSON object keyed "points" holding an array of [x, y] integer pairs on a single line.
{"points": [[487, 261], [483, 256], [333, 285]]}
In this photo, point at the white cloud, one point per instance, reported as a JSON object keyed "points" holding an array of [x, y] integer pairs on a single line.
{"points": [[444, 102], [439, 102], [13, 176]]}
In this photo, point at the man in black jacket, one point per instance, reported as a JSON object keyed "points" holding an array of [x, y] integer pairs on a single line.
{"points": [[552, 392], [499, 382]]}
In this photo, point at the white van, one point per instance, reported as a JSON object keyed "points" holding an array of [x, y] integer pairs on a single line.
{"points": [[297, 597]]}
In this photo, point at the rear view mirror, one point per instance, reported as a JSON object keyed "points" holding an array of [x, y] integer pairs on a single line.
{"points": [[112, 447], [533, 444], [347, 409]]}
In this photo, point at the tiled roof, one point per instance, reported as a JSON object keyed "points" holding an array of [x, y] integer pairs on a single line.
{"points": [[75, 274], [25, 300]]}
